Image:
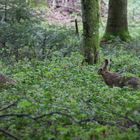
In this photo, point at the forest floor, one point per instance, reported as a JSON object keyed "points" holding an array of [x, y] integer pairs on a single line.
{"points": [[63, 16], [58, 16]]}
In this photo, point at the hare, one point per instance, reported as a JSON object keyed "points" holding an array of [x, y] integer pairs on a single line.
{"points": [[114, 79]]}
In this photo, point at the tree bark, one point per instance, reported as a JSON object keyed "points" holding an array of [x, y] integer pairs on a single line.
{"points": [[117, 24], [90, 19]]}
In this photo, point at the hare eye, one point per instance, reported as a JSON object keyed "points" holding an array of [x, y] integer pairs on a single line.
{"points": [[100, 69]]}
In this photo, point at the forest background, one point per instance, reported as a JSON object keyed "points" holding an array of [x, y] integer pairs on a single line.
{"points": [[48, 91]]}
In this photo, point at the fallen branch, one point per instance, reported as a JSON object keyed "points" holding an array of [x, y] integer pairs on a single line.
{"points": [[82, 121], [54, 113], [8, 106], [36, 118], [16, 115], [95, 120], [128, 119], [6, 133]]}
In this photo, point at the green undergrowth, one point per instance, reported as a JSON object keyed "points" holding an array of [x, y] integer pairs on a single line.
{"points": [[58, 98], [65, 100]]}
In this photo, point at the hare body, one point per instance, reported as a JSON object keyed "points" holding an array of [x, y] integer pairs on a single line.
{"points": [[114, 79], [133, 82]]}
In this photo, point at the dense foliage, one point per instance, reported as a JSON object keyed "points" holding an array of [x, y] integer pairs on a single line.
{"points": [[62, 99], [56, 95]]}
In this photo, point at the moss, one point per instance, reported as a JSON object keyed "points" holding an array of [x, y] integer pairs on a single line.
{"points": [[123, 35], [90, 17]]}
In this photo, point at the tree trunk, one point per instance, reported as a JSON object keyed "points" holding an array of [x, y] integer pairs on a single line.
{"points": [[90, 19], [117, 24]]}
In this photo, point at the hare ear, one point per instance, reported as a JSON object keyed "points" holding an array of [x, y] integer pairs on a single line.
{"points": [[101, 69], [109, 63], [106, 62]]}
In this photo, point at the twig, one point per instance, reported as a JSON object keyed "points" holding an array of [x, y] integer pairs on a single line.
{"points": [[53, 113], [95, 120], [36, 118], [6, 133], [82, 121], [8, 106], [128, 119], [16, 115]]}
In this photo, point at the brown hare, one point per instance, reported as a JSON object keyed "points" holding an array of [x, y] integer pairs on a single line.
{"points": [[114, 79]]}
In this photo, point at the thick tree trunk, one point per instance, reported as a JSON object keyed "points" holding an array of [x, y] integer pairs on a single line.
{"points": [[90, 18], [117, 24]]}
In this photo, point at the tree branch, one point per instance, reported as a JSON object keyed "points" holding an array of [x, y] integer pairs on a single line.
{"points": [[6, 133], [54, 113], [8, 106], [16, 115]]}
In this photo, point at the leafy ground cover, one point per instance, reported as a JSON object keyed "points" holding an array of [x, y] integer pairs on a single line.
{"points": [[63, 99], [59, 98]]}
